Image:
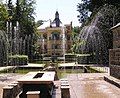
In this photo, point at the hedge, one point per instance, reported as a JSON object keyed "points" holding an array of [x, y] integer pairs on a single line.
{"points": [[16, 60]]}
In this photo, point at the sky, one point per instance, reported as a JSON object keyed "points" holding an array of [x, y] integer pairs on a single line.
{"points": [[45, 10]]}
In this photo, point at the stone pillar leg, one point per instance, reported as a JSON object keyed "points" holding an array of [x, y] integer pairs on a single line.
{"points": [[33, 94], [8, 92]]}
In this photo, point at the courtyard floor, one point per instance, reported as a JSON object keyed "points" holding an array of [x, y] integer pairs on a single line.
{"points": [[84, 85], [6, 79], [91, 86]]}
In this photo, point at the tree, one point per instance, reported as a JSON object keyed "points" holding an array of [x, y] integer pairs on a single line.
{"points": [[24, 13], [39, 23], [76, 41], [17, 11], [82, 8], [76, 31], [86, 7], [3, 16]]}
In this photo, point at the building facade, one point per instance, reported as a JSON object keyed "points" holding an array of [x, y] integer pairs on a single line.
{"points": [[55, 39]]}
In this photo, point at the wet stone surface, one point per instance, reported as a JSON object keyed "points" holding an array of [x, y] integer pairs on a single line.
{"points": [[85, 85], [91, 86]]}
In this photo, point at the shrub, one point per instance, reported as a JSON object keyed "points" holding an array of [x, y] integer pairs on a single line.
{"points": [[70, 57], [15, 60]]}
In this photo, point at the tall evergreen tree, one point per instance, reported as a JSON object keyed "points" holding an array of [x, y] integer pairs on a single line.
{"points": [[10, 8], [3, 16], [89, 6], [25, 11], [17, 11]]}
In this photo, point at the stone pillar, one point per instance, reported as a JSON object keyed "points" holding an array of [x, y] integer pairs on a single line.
{"points": [[19, 88], [114, 62], [33, 94], [8, 92], [65, 93], [15, 89]]}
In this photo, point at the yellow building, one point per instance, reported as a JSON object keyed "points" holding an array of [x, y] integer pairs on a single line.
{"points": [[55, 40]]}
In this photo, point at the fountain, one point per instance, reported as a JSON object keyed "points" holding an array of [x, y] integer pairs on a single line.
{"points": [[63, 42], [94, 43], [97, 36], [16, 40], [43, 43], [3, 49]]}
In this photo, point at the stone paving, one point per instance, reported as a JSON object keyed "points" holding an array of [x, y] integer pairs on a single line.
{"points": [[91, 86], [6, 79], [84, 85]]}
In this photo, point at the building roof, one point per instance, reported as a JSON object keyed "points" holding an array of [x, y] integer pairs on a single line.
{"points": [[45, 24], [57, 20]]}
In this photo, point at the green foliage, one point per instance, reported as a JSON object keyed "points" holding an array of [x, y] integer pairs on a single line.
{"points": [[97, 35], [19, 56], [77, 45], [82, 8], [3, 16], [36, 54], [3, 48], [39, 23], [18, 60], [24, 13], [86, 7], [76, 41], [76, 31]]}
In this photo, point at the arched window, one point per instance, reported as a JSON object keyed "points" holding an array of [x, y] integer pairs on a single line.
{"points": [[55, 35]]}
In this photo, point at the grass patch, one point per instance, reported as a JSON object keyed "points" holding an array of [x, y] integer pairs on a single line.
{"points": [[64, 72], [24, 71], [92, 70]]}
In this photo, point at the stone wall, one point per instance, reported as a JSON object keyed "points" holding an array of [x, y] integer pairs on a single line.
{"points": [[114, 62], [114, 56], [115, 71]]}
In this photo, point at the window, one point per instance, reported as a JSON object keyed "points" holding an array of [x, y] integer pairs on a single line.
{"points": [[69, 47], [68, 37], [55, 46], [55, 36], [45, 36]]}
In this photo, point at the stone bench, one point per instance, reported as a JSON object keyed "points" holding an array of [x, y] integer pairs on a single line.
{"points": [[33, 94]]}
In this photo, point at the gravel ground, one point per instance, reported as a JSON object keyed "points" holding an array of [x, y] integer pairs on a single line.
{"points": [[6, 79]]}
